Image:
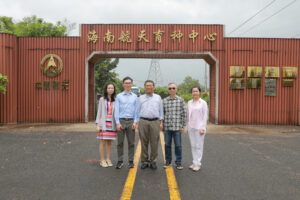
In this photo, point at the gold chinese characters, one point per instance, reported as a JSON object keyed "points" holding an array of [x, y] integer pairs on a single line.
{"points": [[193, 35], [92, 36], [125, 36], [109, 38], [177, 35]]}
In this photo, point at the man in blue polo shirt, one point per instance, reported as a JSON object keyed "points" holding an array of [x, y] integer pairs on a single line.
{"points": [[126, 119]]}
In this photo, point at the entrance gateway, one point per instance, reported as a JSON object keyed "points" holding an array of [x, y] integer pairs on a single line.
{"points": [[51, 79]]}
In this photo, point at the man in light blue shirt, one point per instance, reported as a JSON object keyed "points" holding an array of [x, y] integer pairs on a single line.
{"points": [[150, 110], [126, 118]]}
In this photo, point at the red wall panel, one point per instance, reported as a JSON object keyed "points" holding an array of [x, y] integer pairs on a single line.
{"points": [[21, 58], [41, 105], [8, 67], [251, 106]]}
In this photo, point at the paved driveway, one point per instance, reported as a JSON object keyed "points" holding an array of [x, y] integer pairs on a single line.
{"points": [[61, 163]]}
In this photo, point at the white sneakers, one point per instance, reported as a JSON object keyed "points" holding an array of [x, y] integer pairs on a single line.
{"points": [[106, 163], [109, 164], [103, 163], [195, 168]]}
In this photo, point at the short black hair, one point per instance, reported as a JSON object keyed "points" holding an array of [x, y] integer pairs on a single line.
{"points": [[197, 88], [149, 81], [127, 78], [106, 94]]}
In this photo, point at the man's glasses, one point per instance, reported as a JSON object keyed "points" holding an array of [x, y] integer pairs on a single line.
{"points": [[171, 88], [127, 83]]}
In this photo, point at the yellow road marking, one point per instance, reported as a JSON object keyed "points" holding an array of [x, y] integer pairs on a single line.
{"points": [[172, 183], [128, 187]]}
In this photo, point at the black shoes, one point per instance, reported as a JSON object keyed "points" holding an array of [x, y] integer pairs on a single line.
{"points": [[179, 166], [144, 165], [119, 165], [130, 164], [153, 166], [166, 165]]}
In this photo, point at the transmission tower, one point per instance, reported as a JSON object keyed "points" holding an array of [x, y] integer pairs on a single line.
{"points": [[154, 73]]}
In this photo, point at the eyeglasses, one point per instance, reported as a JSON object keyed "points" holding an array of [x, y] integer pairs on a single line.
{"points": [[171, 88], [128, 83]]}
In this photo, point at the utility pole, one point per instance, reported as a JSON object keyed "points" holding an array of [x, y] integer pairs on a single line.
{"points": [[205, 77]]}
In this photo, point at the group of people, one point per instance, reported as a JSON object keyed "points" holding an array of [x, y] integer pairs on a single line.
{"points": [[119, 116]]}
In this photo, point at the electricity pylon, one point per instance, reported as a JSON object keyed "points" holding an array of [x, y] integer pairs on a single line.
{"points": [[154, 73]]}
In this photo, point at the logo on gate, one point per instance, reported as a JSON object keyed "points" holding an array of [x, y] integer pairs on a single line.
{"points": [[50, 68]]}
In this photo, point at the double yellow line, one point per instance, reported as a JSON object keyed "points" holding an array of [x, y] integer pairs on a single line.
{"points": [[172, 184]]}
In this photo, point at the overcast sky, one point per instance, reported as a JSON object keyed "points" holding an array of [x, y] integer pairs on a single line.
{"points": [[281, 19]]}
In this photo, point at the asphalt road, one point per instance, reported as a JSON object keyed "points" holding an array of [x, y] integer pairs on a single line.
{"points": [[63, 165]]}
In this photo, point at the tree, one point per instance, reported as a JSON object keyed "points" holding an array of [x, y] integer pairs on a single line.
{"points": [[104, 74], [163, 92], [7, 25], [34, 26], [3, 83], [184, 89], [188, 83], [119, 85]]}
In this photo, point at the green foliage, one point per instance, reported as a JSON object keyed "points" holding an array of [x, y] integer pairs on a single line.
{"points": [[104, 74], [119, 85], [204, 96], [7, 25], [3, 83], [186, 86], [33, 27], [163, 92], [187, 97]]}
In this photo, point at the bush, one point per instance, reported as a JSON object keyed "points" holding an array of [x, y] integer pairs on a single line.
{"points": [[161, 91], [3, 83], [186, 97], [204, 96]]}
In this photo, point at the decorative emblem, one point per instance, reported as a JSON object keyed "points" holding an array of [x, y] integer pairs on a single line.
{"points": [[51, 69]]}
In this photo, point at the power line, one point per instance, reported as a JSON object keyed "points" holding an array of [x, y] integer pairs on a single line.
{"points": [[252, 16], [268, 17]]}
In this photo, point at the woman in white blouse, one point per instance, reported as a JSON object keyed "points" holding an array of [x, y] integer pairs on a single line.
{"points": [[197, 113]]}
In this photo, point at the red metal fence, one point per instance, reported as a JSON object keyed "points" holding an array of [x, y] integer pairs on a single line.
{"points": [[34, 97]]}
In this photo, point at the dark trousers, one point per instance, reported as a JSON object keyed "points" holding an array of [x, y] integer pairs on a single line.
{"points": [[130, 135], [168, 146]]}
